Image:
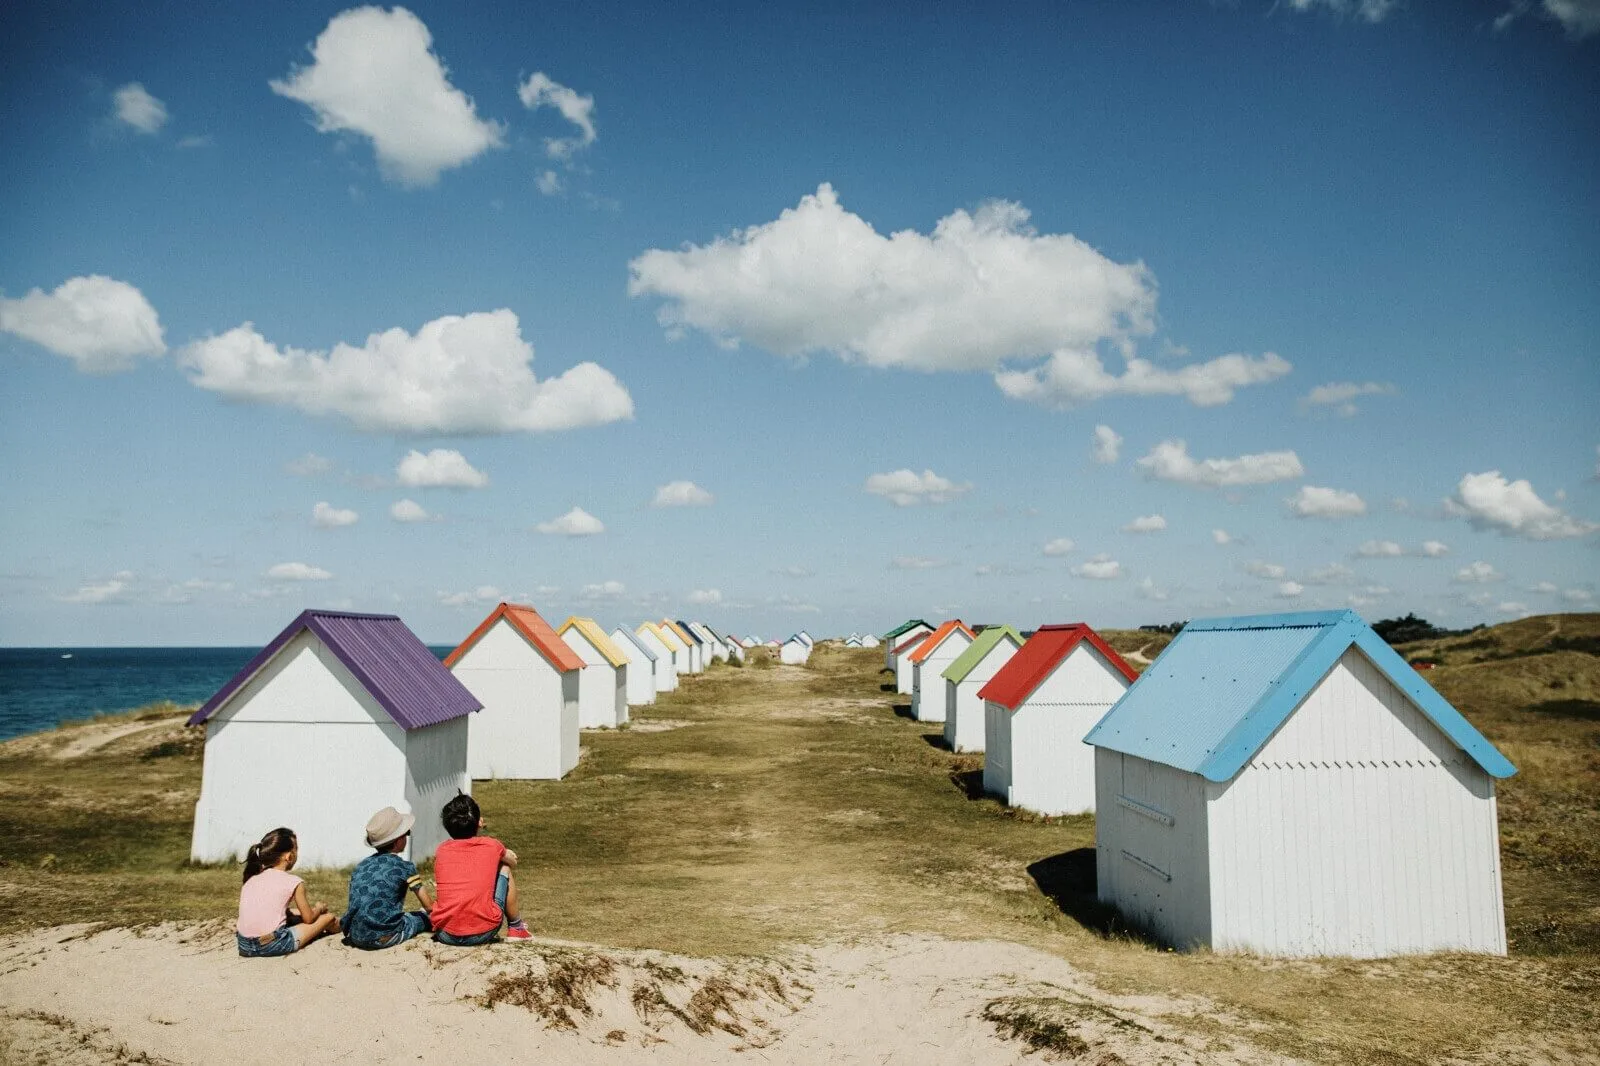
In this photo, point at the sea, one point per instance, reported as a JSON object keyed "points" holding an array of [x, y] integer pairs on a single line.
{"points": [[42, 687]]}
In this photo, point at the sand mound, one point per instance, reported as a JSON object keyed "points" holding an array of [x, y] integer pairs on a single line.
{"points": [[181, 994]]}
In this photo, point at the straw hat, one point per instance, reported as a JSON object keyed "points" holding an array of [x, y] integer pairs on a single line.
{"points": [[388, 825]]}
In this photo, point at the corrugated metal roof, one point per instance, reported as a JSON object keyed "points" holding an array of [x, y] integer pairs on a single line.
{"points": [[1027, 669], [912, 641], [688, 631], [904, 627], [677, 629], [1219, 691], [940, 635], [670, 642], [386, 658], [620, 635], [534, 629], [969, 659], [595, 635]]}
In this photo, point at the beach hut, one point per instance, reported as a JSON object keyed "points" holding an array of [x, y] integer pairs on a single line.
{"points": [[964, 723], [641, 686], [903, 674], [1286, 784], [735, 649], [1037, 708], [853, 640], [928, 661], [667, 648], [794, 651], [527, 680], [682, 656], [750, 642], [716, 651], [869, 641], [899, 635], [603, 683], [340, 715], [697, 650]]}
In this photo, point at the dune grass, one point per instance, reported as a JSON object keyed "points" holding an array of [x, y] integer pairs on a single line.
{"points": [[757, 808]]}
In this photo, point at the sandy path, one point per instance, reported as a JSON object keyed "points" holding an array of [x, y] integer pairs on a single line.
{"points": [[95, 738], [182, 995]]}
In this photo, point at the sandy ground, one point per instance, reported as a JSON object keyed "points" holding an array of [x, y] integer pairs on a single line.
{"points": [[181, 994]]}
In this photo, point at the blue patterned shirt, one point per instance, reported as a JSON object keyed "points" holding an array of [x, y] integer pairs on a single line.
{"points": [[377, 897]]}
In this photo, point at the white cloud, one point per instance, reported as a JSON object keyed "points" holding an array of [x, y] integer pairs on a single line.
{"points": [[374, 73], [1332, 574], [916, 562], [1513, 607], [101, 324], [981, 289], [603, 590], [1545, 588], [326, 516], [1314, 502], [575, 523], [905, 488], [458, 374], [1577, 595], [102, 592], [705, 597], [540, 91], [1369, 11], [1380, 549], [481, 595], [441, 468], [1221, 536], [1340, 396], [1489, 501], [134, 106], [681, 494], [1479, 572], [1058, 546], [1149, 523], [309, 465], [297, 572], [549, 183], [1170, 461], [1072, 378], [1580, 18], [1107, 444], [1270, 571], [408, 511], [1101, 568], [1147, 589], [1288, 590], [794, 571], [1435, 549]]}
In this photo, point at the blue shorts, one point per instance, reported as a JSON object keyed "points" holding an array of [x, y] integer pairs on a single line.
{"points": [[283, 942], [502, 888], [412, 923]]}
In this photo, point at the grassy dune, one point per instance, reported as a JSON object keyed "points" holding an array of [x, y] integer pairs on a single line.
{"points": [[762, 806]]}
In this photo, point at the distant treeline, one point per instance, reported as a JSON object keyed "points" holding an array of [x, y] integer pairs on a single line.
{"points": [[1166, 627], [1392, 630]]}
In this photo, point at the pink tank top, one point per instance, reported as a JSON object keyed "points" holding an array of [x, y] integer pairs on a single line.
{"points": [[264, 901]]}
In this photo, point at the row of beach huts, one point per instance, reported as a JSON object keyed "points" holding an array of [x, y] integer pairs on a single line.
{"points": [[1283, 784]]}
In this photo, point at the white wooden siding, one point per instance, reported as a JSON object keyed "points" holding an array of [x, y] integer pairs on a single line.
{"points": [[1150, 847], [597, 684], [1052, 770], [965, 724], [521, 733], [997, 751], [1358, 829], [436, 770], [931, 709]]}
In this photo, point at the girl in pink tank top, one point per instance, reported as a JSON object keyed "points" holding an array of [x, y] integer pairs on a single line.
{"points": [[266, 926]]}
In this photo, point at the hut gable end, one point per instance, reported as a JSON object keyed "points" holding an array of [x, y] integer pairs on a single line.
{"points": [[303, 682]]}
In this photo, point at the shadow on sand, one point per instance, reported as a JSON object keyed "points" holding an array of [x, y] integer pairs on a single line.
{"points": [[903, 710], [1068, 880], [936, 740]]}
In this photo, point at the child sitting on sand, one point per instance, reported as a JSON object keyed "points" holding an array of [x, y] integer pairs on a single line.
{"points": [[266, 927], [472, 876], [377, 917]]}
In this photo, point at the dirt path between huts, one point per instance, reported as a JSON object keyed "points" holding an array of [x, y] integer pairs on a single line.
{"points": [[773, 864]]}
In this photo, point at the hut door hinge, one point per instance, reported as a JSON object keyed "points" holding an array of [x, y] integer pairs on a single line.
{"points": [[1152, 813], [1156, 870]]}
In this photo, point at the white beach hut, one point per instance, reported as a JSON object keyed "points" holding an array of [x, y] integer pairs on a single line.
{"points": [[928, 661], [340, 715], [527, 680], [964, 723], [641, 686], [666, 647], [716, 650], [1037, 708], [903, 674], [869, 641], [603, 684], [695, 649], [901, 634], [794, 651], [1289, 785]]}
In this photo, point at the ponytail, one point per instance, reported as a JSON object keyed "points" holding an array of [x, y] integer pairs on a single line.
{"points": [[274, 846]]}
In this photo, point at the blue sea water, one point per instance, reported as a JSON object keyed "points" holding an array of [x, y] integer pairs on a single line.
{"points": [[43, 687]]}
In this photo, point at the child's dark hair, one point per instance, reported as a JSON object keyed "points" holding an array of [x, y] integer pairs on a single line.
{"points": [[460, 816], [274, 846]]}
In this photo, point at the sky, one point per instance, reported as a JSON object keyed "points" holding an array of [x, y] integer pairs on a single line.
{"points": [[786, 316]]}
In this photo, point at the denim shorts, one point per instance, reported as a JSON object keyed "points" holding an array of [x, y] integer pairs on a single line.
{"points": [[412, 923], [502, 888], [283, 942]]}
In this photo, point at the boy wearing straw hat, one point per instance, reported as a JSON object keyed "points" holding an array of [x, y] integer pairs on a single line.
{"points": [[377, 917]]}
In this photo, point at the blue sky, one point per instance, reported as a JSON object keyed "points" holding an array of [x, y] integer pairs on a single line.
{"points": [[825, 305]]}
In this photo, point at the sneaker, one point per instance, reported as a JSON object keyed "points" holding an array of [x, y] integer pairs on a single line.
{"points": [[518, 933]]}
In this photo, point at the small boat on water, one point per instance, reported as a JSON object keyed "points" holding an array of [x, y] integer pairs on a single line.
{"points": [[66, 655]]}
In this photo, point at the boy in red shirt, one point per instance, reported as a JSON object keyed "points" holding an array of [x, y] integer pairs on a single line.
{"points": [[474, 889]]}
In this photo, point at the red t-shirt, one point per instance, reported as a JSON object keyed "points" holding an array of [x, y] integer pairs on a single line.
{"points": [[464, 873]]}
